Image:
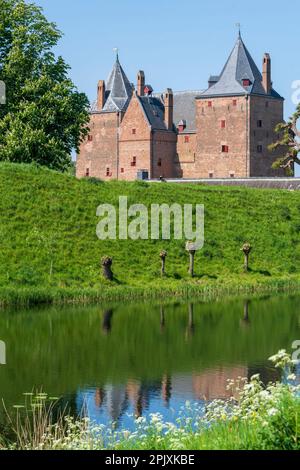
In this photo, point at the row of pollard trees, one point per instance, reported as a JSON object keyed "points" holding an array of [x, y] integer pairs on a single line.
{"points": [[107, 261]]}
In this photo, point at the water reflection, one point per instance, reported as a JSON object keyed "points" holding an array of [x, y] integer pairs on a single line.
{"points": [[113, 403], [113, 360], [106, 322]]}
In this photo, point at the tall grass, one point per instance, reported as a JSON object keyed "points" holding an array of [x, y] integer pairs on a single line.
{"points": [[50, 252]]}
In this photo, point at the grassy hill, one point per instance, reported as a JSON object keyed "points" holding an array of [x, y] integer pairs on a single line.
{"points": [[48, 236]]}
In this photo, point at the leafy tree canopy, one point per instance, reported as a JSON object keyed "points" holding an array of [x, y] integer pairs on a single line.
{"points": [[289, 142], [44, 117]]}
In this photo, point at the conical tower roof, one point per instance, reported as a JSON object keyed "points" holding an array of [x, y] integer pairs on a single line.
{"points": [[118, 88], [239, 67]]}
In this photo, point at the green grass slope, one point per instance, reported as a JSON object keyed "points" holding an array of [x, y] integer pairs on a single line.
{"points": [[48, 234]]}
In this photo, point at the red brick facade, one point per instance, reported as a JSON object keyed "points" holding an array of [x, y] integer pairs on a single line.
{"points": [[228, 138]]}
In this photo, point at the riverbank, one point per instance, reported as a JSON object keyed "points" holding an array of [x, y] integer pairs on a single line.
{"points": [[50, 252], [206, 291], [256, 417]]}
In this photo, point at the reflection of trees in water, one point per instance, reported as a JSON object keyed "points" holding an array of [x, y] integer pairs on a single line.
{"points": [[266, 371], [106, 322], [162, 318], [190, 329], [136, 395], [245, 321], [166, 389], [191, 325]]}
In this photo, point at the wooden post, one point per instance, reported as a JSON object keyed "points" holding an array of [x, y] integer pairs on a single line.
{"points": [[163, 255], [106, 262], [246, 249]]}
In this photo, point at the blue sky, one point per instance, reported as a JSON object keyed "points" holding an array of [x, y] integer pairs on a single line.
{"points": [[177, 43]]}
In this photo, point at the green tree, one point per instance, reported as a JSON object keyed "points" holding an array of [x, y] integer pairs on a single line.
{"points": [[45, 116], [289, 142]]}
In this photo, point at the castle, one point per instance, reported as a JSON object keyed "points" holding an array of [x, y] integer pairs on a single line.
{"points": [[222, 132]]}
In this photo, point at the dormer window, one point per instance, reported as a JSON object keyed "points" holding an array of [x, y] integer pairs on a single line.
{"points": [[181, 125], [246, 82], [148, 90]]}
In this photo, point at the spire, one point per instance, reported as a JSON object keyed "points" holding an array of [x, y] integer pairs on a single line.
{"points": [[118, 88], [116, 50], [240, 75]]}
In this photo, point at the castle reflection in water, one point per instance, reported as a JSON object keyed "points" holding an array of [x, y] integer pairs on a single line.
{"points": [[114, 402]]}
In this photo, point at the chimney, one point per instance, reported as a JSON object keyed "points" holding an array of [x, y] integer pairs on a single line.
{"points": [[140, 83], [101, 95], [267, 82], [168, 100]]}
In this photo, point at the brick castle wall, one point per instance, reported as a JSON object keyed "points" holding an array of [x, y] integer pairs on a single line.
{"points": [[98, 153]]}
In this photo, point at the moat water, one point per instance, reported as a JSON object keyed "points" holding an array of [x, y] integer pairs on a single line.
{"points": [[114, 361]]}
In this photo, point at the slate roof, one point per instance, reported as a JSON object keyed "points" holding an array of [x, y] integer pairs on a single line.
{"points": [[185, 108], [118, 91], [238, 67], [154, 109]]}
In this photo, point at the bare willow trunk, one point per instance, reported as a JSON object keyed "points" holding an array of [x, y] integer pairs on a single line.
{"points": [[163, 255], [246, 249], [106, 262], [192, 262], [246, 262]]}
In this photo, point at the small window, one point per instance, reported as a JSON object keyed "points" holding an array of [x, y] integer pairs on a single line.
{"points": [[223, 124], [259, 149], [122, 170], [231, 174], [133, 131], [90, 138], [246, 82], [225, 149], [209, 104], [210, 174], [87, 172], [108, 171], [234, 102], [259, 123], [159, 162], [133, 163], [186, 139]]}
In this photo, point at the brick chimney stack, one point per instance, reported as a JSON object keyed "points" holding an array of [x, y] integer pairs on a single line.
{"points": [[101, 95], [267, 81], [168, 100], [140, 83]]}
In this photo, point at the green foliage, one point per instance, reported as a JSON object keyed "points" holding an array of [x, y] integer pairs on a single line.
{"points": [[288, 142], [48, 226], [44, 117]]}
